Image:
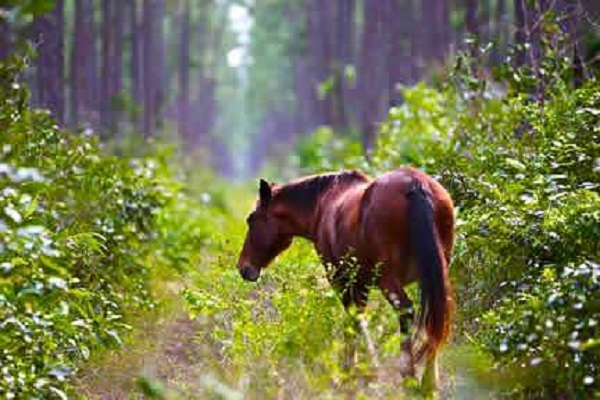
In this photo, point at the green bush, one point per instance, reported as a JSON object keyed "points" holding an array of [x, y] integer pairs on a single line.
{"points": [[323, 151], [283, 335], [547, 330], [78, 238], [525, 179]]}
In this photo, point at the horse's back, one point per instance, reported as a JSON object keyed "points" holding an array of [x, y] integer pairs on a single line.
{"points": [[385, 217], [388, 193]]}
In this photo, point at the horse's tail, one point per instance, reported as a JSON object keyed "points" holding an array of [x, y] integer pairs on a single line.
{"points": [[437, 304]]}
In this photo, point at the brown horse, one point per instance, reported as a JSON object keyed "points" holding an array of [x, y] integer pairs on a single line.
{"points": [[399, 228]]}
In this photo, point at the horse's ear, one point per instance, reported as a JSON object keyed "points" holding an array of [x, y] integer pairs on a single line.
{"points": [[265, 192]]}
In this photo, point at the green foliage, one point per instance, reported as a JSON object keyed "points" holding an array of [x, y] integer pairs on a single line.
{"points": [[414, 131], [78, 243], [284, 334], [549, 328], [525, 177], [19, 8], [323, 151]]}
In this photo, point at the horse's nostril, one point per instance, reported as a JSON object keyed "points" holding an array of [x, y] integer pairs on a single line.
{"points": [[249, 273]]}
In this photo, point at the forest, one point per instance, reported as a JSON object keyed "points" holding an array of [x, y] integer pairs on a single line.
{"points": [[132, 137]]}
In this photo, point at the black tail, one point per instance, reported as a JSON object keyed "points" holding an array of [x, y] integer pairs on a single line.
{"points": [[436, 295]]}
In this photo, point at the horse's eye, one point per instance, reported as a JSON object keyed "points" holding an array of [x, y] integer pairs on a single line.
{"points": [[250, 218]]}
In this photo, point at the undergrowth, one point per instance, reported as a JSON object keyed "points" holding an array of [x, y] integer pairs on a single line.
{"points": [[83, 236], [525, 177]]}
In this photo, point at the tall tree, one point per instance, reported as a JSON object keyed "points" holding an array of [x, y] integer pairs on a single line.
{"points": [[150, 73], [135, 64], [77, 59], [119, 12], [184, 73], [372, 68], [208, 31], [417, 39], [399, 46], [160, 61], [48, 35], [343, 57], [500, 32], [520, 35], [426, 36], [83, 68], [440, 30], [317, 46], [5, 38], [108, 43], [472, 25]]}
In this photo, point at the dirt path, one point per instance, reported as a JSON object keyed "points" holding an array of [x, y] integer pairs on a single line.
{"points": [[163, 358], [160, 354]]}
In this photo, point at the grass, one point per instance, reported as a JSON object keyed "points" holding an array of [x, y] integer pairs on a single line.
{"points": [[216, 336]]}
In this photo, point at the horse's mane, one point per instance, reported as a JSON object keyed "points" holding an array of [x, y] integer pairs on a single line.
{"points": [[304, 192]]}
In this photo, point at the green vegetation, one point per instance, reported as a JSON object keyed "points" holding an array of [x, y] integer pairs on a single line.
{"points": [[82, 235], [525, 176], [87, 239]]}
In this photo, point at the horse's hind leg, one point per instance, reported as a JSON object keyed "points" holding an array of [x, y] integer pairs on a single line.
{"points": [[403, 304], [397, 297]]}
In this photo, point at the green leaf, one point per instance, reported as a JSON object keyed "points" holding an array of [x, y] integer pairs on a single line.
{"points": [[37, 7], [515, 164]]}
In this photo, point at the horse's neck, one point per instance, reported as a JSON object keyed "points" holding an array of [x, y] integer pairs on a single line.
{"points": [[329, 203], [308, 200]]}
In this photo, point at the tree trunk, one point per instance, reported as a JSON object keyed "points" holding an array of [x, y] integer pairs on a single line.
{"points": [[472, 25], [485, 20], [160, 61], [137, 86], [48, 31], [5, 38], [570, 22], [372, 68], [500, 32], [303, 94], [119, 10], [342, 48], [427, 33], [416, 41], [199, 40], [184, 73], [318, 37], [520, 35], [107, 65], [149, 67], [92, 54], [439, 31], [77, 65], [399, 61]]}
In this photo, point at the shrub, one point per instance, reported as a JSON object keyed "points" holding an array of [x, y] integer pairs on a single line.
{"points": [[547, 330], [525, 177], [323, 151], [76, 230]]}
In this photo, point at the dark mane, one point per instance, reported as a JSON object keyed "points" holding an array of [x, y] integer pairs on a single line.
{"points": [[304, 192]]}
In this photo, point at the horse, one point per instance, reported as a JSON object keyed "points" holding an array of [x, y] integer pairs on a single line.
{"points": [[399, 228]]}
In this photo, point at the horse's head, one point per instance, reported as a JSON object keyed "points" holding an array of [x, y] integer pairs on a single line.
{"points": [[268, 235]]}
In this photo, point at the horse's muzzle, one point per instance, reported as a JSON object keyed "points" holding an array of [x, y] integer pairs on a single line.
{"points": [[250, 273]]}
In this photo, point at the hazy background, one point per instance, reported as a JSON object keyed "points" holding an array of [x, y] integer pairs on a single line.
{"points": [[238, 81]]}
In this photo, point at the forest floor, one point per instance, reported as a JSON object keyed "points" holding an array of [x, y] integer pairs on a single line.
{"points": [[160, 355], [163, 358]]}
